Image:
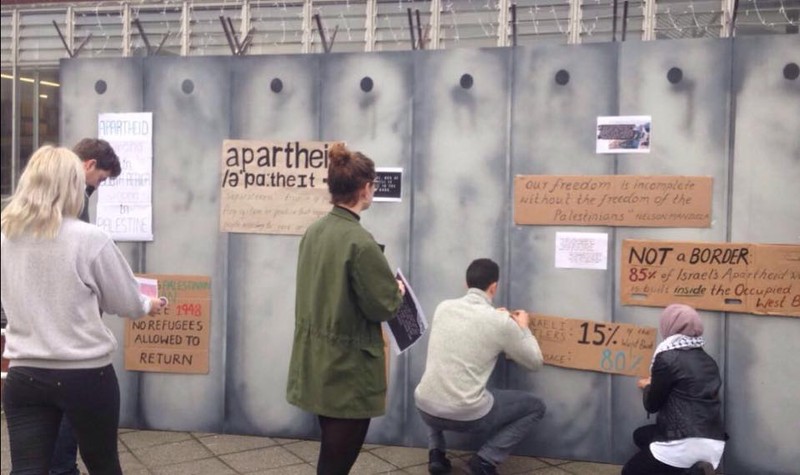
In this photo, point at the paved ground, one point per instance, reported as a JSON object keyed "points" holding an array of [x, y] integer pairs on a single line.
{"points": [[193, 453]]}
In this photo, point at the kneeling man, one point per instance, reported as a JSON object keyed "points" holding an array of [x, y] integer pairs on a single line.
{"points": [[466, 337]]}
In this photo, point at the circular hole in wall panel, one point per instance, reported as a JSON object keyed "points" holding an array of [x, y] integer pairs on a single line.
{"points": [[791, 71], [187, 86], [367, 84], [562, 77], [674, 75]]}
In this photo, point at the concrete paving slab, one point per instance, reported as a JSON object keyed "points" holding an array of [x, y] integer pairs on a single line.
{"points": [[514, 465], [150, 438], [301, 469], [127, 461], [260, 459], [210, 466], [589, 468], [401, 457], [176, 452], [553, 461], [307, 450], [220, 444], [549, 471], [368, 464]]}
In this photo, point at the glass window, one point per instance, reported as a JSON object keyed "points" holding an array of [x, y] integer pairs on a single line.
{"points": [[38, 117], [6, 120], [49, 100]]}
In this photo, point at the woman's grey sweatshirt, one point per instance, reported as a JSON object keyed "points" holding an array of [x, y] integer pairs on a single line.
{"points": [[53, 291]]}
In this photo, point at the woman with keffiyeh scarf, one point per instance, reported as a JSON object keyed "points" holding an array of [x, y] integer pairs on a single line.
{"points": [[683, 388]]}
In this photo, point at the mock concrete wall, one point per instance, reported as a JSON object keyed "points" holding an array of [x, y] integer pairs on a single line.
{"points": [[733, 117]]}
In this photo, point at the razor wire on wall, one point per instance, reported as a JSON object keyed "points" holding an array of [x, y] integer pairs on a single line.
{"points": [[42, 34]]}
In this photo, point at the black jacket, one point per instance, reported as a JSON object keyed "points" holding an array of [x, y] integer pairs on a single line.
{"points": [[684, 390]]}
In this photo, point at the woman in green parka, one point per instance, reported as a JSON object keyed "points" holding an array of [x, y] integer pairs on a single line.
{"points": [[345, 288]]}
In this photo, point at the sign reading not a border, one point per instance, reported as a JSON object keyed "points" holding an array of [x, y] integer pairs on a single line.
{"points": [[731, 277]]}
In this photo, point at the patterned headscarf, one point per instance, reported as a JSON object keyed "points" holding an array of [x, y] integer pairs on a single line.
{"points": [[681, 329], [680, 319]]}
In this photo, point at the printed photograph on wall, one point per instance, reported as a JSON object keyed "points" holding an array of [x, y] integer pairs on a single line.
{"points": [[623, 134]]}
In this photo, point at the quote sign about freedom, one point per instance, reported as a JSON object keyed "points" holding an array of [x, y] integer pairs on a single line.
{"points": [[613, 200]]}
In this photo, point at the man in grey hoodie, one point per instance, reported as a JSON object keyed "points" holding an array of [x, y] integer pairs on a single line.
{"points": [[467, 335]]}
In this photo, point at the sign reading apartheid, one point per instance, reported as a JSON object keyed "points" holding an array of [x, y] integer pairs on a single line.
{"points": [[608, 347], [613, 200], [744, 278], [273, 187], [176, 340]]}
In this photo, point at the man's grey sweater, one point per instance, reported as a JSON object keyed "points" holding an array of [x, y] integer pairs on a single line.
{"points": [[467, 335], [53, 291]]}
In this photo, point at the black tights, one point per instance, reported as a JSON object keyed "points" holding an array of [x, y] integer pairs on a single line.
{"points": [[341, 442]]}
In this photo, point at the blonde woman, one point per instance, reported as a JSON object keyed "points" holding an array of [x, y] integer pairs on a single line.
{"points": [[58, 274]]}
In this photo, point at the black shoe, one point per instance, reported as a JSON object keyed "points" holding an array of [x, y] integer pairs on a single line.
{"points": [[701, 468], [438, 462], [479, 466]]}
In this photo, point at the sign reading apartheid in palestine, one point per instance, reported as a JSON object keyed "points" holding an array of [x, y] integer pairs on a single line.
{"points": [[608, 347], [273, 187], [743, 278], [613, 200], [176, 340]]}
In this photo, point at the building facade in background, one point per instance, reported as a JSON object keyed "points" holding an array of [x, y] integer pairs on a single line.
{"points": [[37, 34]]}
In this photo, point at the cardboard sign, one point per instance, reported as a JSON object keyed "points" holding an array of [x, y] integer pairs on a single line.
{"points": [[613, 200], [176, 340], [273, 187], [607, 347], [743, 278]]}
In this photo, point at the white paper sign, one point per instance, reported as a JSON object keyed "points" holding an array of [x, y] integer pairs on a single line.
{"points": [[125, 222], [125, 203], [581, 250]]}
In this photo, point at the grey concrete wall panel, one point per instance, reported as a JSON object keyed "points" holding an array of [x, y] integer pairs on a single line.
{"points": [[690, 136], [763, 378], [190, 101], [448, 118], [460, 180], [91, 87], [552, 133], [80, 100], [80, 105], [262, 268], [366, 100]]}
